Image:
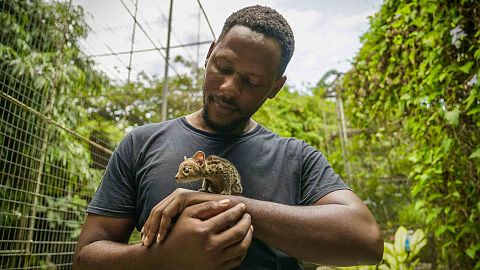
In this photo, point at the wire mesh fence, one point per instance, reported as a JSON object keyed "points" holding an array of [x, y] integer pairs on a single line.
{"points": [[51, 153]]}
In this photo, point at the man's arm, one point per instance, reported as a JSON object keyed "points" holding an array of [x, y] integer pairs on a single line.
{"points": [[209, 235], [103, 243], [337, 230]]}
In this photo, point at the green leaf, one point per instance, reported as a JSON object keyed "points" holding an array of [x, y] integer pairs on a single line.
{"points": [[471, 252], [431, 8], [39, 82], [477, 54], [452, 116], [406, 96], [475, 154], [429, 41], [466, 68], [447, 145], [399, 243], [418, 241], [419, 204], [431, 216], [440, 230]]}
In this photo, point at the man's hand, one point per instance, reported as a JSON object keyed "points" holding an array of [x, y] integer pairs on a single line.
{"points": [[160, 218], [220, 242]]}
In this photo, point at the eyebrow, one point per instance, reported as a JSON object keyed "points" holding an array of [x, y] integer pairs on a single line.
{"points": [[253, 74]]}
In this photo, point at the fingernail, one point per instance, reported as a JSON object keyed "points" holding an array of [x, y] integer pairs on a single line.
{"points": [[146, 240], [224, 202], [242, 205], [143, 239], [158, 238], [143, 228], [251, 228]]}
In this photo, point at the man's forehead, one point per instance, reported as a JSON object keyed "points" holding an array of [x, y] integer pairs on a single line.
{"points": [[249, 37], [246, 32]]}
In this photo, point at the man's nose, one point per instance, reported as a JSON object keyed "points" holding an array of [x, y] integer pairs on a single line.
{"points": [[231, 86]]}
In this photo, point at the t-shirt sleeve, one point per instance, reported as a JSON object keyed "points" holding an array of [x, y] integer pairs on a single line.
{"points": [[116, 195], [318, 177]]}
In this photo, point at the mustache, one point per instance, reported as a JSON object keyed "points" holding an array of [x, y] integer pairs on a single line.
{"points": [[223, 99]]}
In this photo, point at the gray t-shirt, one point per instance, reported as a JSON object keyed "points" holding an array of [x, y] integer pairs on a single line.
{"points": [[141, 172]]}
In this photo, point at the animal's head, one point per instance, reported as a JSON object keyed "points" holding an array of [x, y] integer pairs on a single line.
{"points": [[191, 169]]}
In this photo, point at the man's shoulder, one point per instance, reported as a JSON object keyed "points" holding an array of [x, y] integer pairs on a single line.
{"points": [[280, 141], [274, 137], [141, 135], [148, 130]]}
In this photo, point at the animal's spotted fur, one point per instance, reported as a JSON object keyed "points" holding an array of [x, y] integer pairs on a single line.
{"points": [[219, 175]]}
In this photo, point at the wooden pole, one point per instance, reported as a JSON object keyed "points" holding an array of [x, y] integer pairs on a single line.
{"points": [[167, 58]]}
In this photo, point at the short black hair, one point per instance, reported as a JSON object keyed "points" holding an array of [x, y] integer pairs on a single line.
{"points": [[268, 22]]}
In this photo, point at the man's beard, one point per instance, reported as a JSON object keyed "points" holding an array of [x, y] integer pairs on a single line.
{"points": [[236, 125]]}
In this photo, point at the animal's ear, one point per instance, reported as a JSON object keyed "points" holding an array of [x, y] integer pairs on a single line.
{"points": [[185, 158], [199, 158]]}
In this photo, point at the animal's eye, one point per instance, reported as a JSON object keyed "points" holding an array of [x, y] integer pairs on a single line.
{"points": [[186, 169]]}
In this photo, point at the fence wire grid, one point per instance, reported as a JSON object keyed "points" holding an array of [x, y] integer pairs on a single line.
{"points": [[48, 168]]}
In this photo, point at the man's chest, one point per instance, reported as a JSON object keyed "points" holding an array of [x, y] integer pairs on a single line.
{"points": [[264, 176]]}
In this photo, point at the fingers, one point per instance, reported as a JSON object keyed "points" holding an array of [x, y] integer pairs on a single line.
{"points": [[172, 209], [161, 216], [237, 252], [207, 209], [236, 233], [150, 228], [157, 225], [202, 211], [226, 219], [210, 211]]}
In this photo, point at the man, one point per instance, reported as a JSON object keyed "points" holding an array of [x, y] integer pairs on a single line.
{"points": [[293, 205]]}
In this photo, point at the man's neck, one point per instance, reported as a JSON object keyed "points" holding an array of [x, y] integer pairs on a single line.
{"points": [[196, 120]]}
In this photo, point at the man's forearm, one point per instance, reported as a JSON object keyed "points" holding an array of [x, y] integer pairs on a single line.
{"points": [[332, 234], [111, 255]]}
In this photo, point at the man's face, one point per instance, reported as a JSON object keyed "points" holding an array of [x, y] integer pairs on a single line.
{"points": [[241, 73]]}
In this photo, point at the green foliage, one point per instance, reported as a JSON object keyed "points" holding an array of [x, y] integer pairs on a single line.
{"points": [[50, 173], [293, 114], [67, 214], [139, 103], [416, 79]]}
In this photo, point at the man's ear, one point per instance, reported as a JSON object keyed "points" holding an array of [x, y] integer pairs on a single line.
{"points": [[277, 86], [199, 158], [210, 50]]}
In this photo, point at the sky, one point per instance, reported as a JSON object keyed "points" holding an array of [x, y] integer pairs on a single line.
{"points": [[327, 33]]}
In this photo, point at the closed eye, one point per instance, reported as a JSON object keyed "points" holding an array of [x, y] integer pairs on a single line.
{"points": [[224, 70], [249, 83]]}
